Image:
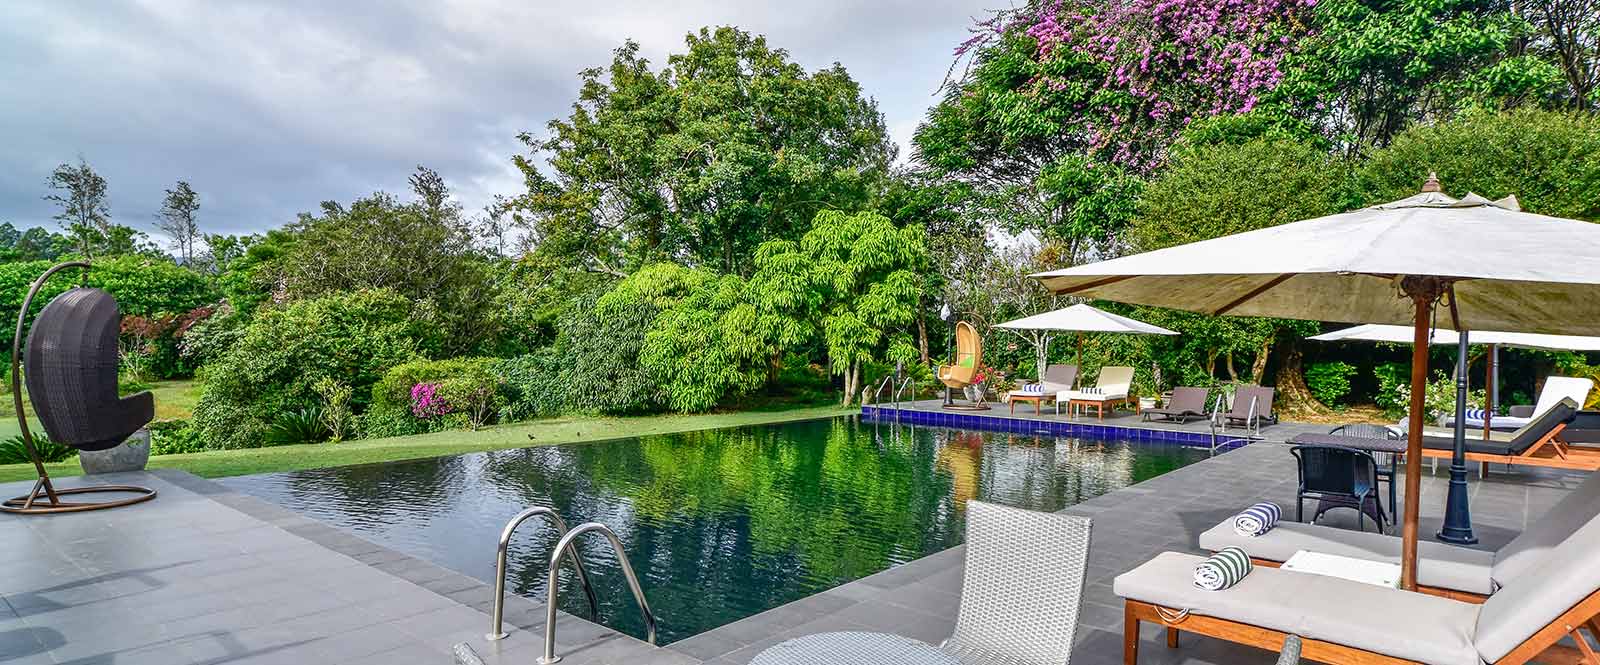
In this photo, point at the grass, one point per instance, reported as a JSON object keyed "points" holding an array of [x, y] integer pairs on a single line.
{"points": [[221, 463]]}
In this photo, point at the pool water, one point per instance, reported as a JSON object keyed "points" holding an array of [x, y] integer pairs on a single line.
{"points": [[719, 524]]}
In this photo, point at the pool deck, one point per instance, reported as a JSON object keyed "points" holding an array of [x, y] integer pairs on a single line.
{"points": [[206, 575]]}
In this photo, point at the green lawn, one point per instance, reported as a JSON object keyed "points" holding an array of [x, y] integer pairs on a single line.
{"points": [[221, 463]]}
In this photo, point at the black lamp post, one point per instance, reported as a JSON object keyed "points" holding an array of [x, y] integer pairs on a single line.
{"points": [[1457, 515]]}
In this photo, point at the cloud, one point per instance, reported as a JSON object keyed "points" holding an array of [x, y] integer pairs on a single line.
{"points": [[269, 108]]}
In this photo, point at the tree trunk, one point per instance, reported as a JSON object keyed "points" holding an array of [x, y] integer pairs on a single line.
{"points": [[1227, 360], [1294, 397], [1258, 368], [1211, 363], [922, 334]]}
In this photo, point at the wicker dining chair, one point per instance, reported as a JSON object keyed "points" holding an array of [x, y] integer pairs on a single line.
{"points": [[1022, 587]]}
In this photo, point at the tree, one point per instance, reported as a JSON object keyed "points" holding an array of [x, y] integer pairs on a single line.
{"points": [[1568, 33], [177, 219], [1550, 161], [730, 144], [1368, 69], [81, 195], [422, 250], [855, 280], [34, 244]]}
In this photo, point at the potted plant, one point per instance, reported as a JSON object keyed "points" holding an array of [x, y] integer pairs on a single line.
{"points": [[131, 455]]}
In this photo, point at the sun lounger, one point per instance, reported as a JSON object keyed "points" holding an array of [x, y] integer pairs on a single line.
{"points": [[1442, 570], [1252, 414], [1057, 379], [1186, 403], [1342, 621], [1110, 389], [1555, 389], [1538, 443]]}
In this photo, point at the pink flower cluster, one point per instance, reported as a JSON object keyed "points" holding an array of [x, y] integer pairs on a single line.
{"points": [[1170, 60], [426, 402]]}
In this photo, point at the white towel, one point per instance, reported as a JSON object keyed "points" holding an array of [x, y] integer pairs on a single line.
{"points": [[1257, 519]]}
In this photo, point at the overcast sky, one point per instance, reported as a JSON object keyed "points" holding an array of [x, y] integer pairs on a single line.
{"points": [[269, 108]]}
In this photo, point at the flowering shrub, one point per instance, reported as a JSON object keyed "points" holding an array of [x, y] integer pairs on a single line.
{"points": [[426, 402]]}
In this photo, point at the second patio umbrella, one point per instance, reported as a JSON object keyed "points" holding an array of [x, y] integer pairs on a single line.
{"points": [[1488, 265], [1079, 318]]}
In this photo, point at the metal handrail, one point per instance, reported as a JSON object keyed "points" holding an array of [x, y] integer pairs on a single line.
{"points": [[897, 391], [551, 598], [877, 395], [496, 625]]}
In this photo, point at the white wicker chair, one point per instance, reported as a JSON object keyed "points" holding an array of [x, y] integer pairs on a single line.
{"points": [[1022, 587], [1291, 651]]}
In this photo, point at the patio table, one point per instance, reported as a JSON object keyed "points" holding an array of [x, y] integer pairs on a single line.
{"points": [[858, 648], [1394, 447]]}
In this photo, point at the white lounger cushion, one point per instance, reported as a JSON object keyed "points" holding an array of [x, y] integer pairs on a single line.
{"points": [[1528, 549], [1113, 394], [1396, 623], [1564, 576], [1439, 565], [1555, 388]]}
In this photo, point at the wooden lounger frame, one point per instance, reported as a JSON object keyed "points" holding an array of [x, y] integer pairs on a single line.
{"points": [[1541, 646], [1452, 594], [1549, 451]]}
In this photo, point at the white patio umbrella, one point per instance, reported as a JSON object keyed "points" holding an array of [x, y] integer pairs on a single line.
{"points": [[1487, 264], [1079, 318], [1493, 339]]}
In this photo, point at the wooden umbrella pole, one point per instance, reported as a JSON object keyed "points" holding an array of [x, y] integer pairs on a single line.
{"points": [[1490, 360], [1423, 293]]}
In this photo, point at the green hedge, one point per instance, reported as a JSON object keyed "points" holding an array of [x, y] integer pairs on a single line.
{"points": [[469, 387], [272, 369]]}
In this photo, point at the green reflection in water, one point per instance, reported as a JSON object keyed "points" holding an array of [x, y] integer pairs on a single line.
{"points": [[720, 524]]}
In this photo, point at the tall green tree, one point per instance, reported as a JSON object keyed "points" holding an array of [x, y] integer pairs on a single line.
{"points": [[855, 280], [730, 144], [421, 249], [80, 193], [1568, 34], [178, 218]]}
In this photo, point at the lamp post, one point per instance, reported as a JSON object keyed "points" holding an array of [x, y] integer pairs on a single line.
{"points": [[1457, 515]]}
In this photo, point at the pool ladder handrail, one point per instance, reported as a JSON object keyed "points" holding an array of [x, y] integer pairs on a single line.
{"points": [[553, 584], [1218, 414], [496, 624]]}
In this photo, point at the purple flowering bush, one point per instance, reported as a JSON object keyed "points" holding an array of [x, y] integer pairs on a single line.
{"points": [[426, 401]]}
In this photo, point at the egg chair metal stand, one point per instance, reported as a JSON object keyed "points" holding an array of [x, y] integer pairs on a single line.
{"points": [[72, 383]]}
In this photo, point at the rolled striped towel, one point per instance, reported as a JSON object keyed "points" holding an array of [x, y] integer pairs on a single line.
{"points": [[1033, 389], [1474, 414], [1222, 570], [1257, 519]]}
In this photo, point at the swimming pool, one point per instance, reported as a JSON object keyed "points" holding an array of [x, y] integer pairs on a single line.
{"points": [[720, 524]]}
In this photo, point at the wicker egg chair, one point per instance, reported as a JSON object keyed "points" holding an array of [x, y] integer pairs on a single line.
{"points": [[71, 368]]}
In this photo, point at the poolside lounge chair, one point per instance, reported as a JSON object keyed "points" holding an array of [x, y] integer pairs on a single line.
{"points": [[1251, 413], [1442, 570], [1110, 389], [1342, 621], [1538, 443], [1555, 389], [969, 357], [1186, 403]]}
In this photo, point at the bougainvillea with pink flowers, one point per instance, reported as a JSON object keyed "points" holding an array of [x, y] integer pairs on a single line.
{"points": [[1156, 65]]}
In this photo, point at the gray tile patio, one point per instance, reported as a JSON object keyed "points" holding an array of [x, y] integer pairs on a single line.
{"points": [[205, 575]]}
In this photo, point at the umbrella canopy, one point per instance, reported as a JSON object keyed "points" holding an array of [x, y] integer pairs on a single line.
{"points": [[1402, 335], [1079, 318], [1084, 318], [1510, 270], [1490, 265]]}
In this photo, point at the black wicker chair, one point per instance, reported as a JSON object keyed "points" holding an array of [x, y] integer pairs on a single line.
{"points": [[1338, 478], [71, 362]]}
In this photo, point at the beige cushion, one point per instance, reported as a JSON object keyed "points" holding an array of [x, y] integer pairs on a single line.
{"points": [[1395, 623], [1438, 564], [1114, 393], [1527, 602], [1523, 553]]}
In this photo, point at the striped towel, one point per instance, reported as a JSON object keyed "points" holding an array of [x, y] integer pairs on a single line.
{"points": [[1033, 389], [1257, 519], [1093, 391], [1475, 414], [1222, 570]]}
